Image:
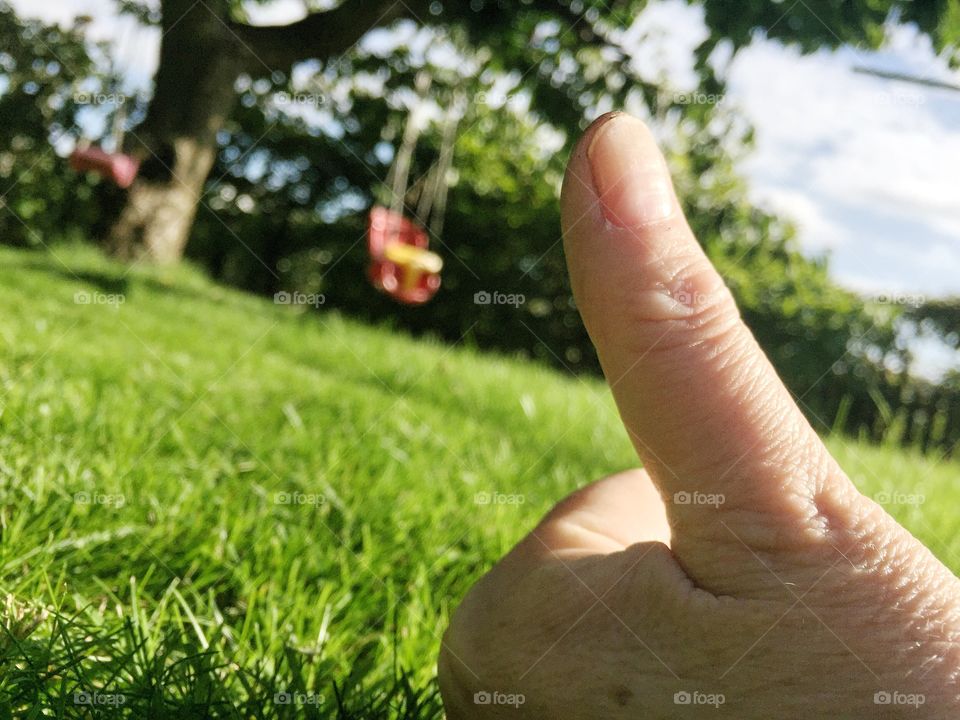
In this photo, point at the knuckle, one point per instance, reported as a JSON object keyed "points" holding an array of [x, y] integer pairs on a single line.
{"points": [[687, 305]]}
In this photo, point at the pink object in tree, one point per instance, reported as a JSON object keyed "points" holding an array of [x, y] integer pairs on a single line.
{"points": [[118, 168]]}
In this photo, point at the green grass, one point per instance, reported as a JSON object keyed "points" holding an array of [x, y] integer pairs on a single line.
{"points": [[210, 499]]}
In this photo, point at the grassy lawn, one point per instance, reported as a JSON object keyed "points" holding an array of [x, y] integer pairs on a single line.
{"points": [[209, 500]]}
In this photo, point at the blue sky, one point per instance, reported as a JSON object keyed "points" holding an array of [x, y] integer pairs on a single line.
{"points": [[865, 167], [860, 163]]}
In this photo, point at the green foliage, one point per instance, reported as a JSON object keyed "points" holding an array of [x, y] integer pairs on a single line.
{"points": [[43, 71], [831, 23], [217, 499], [939, 316]]}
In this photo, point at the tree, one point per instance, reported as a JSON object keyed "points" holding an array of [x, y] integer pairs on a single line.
{"points": [[207, 46], [202, 54]]}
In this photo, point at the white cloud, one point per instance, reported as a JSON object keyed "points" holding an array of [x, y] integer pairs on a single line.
{"points": [[820, 232], [868, 154], [858, 162]]}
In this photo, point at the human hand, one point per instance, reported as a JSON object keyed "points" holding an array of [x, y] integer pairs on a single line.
{"points": [[744, 576]]}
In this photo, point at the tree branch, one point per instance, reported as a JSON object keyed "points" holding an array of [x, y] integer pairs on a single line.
{"points": [[319, 35]]}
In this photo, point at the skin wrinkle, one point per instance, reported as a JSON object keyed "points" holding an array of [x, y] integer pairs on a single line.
{"points": [[652, 337], [924, 606], [704, 351], [603, 290], [575, 527], [752, 390], [915, 606], [746, 385]]}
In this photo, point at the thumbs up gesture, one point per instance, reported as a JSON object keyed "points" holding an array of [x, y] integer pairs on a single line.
{"points": [[740, 574]]}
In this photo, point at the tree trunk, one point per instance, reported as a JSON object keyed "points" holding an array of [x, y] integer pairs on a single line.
{"points": [[202, 53], [177, 143], [156, 219]]}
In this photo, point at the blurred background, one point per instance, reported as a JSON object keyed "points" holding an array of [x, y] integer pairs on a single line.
{"points": [[813, 144], [256, 443]]}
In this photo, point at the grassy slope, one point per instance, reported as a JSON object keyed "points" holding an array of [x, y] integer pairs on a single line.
{"points": [[202, 592]]}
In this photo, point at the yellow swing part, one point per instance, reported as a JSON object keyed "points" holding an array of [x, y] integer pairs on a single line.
{"points": [[416, 261]]}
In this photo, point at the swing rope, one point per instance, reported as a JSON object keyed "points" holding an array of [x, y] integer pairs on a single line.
{"points": [[434, 196], [431, 189], [411, 132]]}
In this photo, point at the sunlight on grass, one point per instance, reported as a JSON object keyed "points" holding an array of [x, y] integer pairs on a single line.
{"points": [[218, 501]]}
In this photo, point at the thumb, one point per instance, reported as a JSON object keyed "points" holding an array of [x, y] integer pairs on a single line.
{"points": [[738, 465]]}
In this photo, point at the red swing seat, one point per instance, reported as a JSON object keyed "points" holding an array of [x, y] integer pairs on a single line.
{"points": [[118, 168], [400, 263]]}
